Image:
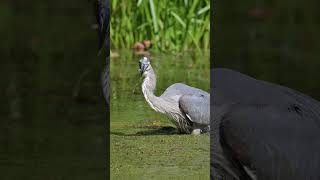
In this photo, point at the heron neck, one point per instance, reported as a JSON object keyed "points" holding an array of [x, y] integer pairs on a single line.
{"points": [[148, 87]]}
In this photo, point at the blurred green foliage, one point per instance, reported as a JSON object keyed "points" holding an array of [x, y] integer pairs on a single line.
{"points": [[170, 25]]}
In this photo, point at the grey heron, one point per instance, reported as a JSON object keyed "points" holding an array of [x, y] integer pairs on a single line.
{"points": [[261, 130], [186, 106]]}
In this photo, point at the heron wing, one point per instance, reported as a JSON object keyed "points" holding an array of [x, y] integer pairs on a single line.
{"points": [[175, 91], [196, 107], [274, 142]]}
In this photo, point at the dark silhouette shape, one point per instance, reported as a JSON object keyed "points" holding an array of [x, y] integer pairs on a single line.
{"points": [[102, 12], [261, 130]]}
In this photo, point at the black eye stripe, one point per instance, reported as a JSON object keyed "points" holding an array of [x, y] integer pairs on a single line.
{"points": [[144, 64]]}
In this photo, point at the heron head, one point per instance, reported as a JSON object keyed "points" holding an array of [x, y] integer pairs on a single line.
{"points": [[144, 65]]}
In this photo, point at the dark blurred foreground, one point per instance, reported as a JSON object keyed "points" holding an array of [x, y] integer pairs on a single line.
{"points": [[274, 41], [52, 117], [277, 42]]}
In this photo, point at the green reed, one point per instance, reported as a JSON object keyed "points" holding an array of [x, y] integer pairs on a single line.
{"points": [[170, 25]]}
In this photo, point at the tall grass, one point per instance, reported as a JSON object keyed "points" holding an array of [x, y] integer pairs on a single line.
{"points": [[170, 25]]}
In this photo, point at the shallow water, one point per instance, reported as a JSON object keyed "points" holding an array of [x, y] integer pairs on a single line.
{"points": [[144, 143]]}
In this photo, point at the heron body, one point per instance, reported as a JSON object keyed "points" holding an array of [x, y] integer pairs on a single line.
{"points": [[186, 106], [261, 130]]}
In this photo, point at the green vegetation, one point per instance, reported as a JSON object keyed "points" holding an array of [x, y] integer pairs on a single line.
{"points": [[143, 143], [170, 25]]}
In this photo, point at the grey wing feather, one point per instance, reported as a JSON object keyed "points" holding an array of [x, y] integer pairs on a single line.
{"points": [[196, 108], [175, 91]]}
